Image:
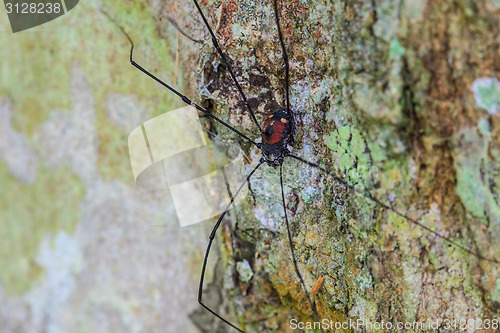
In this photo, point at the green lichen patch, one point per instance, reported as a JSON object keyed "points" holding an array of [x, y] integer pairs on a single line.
{"points": [[396, 49], [469, 165], [487, 94], [350, 151], [244, 270]]}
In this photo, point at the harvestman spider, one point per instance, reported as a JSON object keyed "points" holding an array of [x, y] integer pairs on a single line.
{"points": [[278, 135]]}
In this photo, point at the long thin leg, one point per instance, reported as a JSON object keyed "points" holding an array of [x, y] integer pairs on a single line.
{"points": [[178, 28], [285, 58], [290, 241], [388, 207], [212, 236], [184, 98], [224, 60]]}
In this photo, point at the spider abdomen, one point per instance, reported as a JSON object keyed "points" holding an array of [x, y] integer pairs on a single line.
{"points": [[277, 133]]}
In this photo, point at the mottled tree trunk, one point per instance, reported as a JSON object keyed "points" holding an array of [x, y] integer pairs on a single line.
{"points": [[398, 98]]}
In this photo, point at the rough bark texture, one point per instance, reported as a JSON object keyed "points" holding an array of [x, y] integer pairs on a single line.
{"points": [[398, 98]]}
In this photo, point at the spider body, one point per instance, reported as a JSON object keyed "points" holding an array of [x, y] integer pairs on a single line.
{"points": [[278, 135]]}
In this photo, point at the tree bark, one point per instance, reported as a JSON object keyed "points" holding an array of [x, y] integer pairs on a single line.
{"points": [[397, 98]]}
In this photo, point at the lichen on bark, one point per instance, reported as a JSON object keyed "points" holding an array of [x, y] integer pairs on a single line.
{"points": [[383, 96]]}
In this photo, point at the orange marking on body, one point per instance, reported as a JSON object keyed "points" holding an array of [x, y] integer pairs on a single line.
{"points": [[316, 286], [272, 131]]}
